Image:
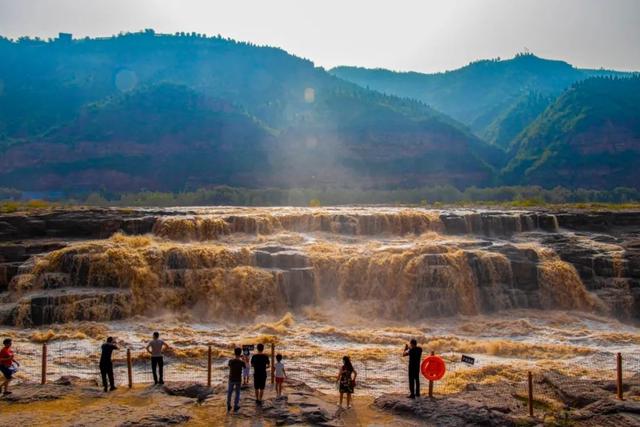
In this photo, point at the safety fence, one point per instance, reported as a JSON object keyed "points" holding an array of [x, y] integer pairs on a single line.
{"points": [[536, 386], [598, 376]]}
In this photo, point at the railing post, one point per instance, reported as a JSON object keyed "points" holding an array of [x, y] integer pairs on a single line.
{"points": [[431, 382], [273, 358], [530, 381], [209, 367], [129, 371], [43, 380], [619, 376]]}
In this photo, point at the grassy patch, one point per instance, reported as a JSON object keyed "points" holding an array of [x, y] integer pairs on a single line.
{"points": [[12, 206]]}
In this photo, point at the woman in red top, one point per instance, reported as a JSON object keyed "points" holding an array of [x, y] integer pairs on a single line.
{"points": [[6, 365]]}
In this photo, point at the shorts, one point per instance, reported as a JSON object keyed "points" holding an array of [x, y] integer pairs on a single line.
{"points": [[7, 371], [279, 380], [259, 381], [246, 372]]}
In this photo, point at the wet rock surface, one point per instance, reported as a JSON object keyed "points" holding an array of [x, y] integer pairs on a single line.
{"points": [[576, 392], [194, 391], [299, 405], [558, 400], [173, 404], [29, 393], [609, 266], [478, 406], [609, 413], [86, 223], [66, 305]]}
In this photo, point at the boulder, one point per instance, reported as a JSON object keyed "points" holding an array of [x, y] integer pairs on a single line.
{"points": [[608, 412], [29, 393], [452, 411], [157, 420], [185, 389]]}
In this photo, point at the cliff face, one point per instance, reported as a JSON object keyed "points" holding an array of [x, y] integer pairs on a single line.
{"points": [[228, 263]]}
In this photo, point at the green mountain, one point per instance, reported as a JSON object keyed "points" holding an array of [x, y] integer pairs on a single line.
{"points": [[589, 137], [159, 137], [511, 121], [481, 93], [162, 112]]}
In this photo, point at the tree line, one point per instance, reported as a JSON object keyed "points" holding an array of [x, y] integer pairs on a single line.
{"points": [[445, 194]]}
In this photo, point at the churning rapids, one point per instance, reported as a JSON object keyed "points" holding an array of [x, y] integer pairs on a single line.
{"points": [[540, 288]]}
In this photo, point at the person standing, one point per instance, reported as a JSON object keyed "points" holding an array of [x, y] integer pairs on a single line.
{"points": [[7, 360], [260, 363], [415, 357], [106, 365], [280, 375], [247, 367], [236, 366], [346, 380], [155, 347]]}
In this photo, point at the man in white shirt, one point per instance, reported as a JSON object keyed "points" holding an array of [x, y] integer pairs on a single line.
{"points": [[155, 348]]}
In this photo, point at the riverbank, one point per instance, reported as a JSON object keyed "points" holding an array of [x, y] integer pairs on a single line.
{"points": [[559, 399]]}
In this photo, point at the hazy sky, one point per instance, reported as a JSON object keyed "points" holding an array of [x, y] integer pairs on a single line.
{"points": [[422, 35]]}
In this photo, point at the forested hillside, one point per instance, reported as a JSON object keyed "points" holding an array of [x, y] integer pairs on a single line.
{"points": [[180, 112], [589, 137], [482, 93], [170, 112]]}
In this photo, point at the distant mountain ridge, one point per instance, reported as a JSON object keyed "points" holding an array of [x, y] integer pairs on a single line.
{"points": [[481, 93], [160, 112], [145, 111]]}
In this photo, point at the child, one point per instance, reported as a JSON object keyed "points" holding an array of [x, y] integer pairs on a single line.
{"points": [[247, 369], [7, 362], [280, 375]]}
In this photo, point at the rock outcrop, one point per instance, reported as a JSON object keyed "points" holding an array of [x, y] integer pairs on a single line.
{"points": [[173, 404], [558, 400]]}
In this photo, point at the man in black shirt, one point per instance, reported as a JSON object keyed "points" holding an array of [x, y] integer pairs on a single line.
{"points": [[106, 366], [260, 363], [236, 365], [415, 357]]}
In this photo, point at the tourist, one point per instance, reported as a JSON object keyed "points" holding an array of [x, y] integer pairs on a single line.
{"points": [[260, 363], [280, 375], [106, 365], [247, 367], [236, 366], [155, 347], [7, 360], [346, 380], [415, 357]]}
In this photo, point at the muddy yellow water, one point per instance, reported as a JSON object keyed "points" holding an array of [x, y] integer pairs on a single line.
{"points": [[318, 285]]}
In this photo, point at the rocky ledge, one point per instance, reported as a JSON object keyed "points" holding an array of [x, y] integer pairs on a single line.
{"points": [[173, 404], [558, 400]]}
